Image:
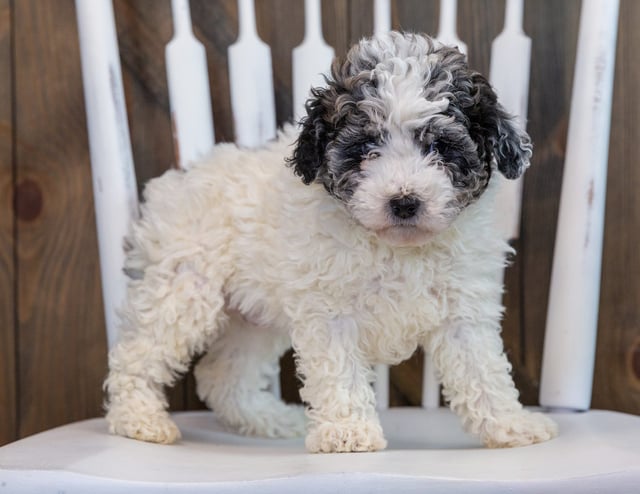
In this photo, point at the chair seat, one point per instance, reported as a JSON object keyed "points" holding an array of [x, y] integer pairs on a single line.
{"points": [[427, 449]]}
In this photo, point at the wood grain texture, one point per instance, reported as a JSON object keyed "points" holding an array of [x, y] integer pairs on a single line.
{"points": [[62, 343], [479, 22], [216, 25], [270, 17], [336, 25], [419, 16], [617, 374], [360, 20], [144, 28], [8, 378]]}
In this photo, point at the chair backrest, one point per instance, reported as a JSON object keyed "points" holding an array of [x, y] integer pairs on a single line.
{"points": [[573, 308]]}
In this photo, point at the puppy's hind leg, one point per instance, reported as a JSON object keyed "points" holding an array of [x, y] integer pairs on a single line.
{"points": [[233, 379], [169, 315]]}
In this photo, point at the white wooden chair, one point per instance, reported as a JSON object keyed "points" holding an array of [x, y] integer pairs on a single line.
{"points": [[428, 451]]}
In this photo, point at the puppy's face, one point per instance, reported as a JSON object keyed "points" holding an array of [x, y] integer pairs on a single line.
{"points": [[407, 137]]}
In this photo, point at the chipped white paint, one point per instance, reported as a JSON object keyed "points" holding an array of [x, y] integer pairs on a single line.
{"points": [[509, 75], [115, 191], [572, 317], [189, 93], [251, 82]]}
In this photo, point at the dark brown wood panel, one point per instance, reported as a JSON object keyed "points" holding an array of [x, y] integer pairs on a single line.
{"points": [[216, 25], [617, 372], [144, 28], [360, 20], [8, 390], [336, 25], [62, 344], [420, 16], [271, 17], [478, 25]]}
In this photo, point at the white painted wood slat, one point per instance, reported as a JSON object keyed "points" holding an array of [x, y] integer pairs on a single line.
{"points": [[114, 180], [189, 91], [311, 59], [509, 75], [251, 82], [572, 317]]}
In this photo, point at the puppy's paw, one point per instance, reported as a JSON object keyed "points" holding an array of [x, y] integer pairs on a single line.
{"points": [[518, 429], [345, 436], [155, 427]]}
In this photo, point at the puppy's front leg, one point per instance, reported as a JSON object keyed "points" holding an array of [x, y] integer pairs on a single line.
{"points": [[337, 387], [476, 379]]}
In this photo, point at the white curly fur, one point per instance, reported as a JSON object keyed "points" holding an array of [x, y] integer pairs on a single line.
{"points": [[237, 254], [238, 258]]}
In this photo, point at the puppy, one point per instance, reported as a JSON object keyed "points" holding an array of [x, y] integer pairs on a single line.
{"points": [[376, 239]]}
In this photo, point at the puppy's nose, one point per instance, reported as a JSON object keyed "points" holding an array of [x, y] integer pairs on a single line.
{"points": [[404, 207]]}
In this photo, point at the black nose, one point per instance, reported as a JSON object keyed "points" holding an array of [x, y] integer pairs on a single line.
{"points": [[404, 207]]}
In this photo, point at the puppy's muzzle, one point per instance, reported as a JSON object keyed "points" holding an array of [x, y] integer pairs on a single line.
{"points": [[405, 207]]}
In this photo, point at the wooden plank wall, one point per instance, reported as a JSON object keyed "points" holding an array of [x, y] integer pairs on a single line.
{"points": [[8, 424], [617, 379], [53, 355], [61, 351]]}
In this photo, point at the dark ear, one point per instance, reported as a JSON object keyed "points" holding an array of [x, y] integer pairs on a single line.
{"points": [[497, 134], [308, 158]]}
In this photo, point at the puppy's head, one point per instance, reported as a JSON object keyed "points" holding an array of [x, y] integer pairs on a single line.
{"points": [[406, 136]]}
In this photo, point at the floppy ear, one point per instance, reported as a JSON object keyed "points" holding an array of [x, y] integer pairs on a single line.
{"points": [[498, 136], [308, 159]]}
